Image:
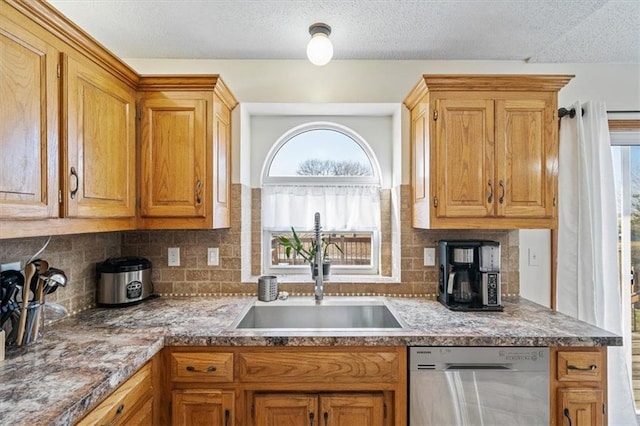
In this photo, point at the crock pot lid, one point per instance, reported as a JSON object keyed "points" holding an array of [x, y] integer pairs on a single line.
{"points": [[124, 264]]}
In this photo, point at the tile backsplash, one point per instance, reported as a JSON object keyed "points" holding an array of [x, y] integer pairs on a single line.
{"points": [[78, 254]]}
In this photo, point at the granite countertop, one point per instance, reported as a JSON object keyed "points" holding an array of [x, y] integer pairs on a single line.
{"points": [[83, 358]]}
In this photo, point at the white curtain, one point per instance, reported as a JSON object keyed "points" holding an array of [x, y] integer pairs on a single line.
{"points": [[588, 278], [341, 207]]}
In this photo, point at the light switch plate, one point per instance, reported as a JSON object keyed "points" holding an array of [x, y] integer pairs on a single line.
{"points": [[213, 256], [429, 256], [173, 256]]}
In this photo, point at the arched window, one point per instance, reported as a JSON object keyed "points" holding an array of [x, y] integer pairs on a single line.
{"points": [[327, 168]]}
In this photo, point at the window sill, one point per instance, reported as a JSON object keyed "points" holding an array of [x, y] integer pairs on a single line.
{"points": [[343, 279]]}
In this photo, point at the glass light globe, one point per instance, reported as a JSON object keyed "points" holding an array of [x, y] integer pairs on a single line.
{"points": [[319, 49]]}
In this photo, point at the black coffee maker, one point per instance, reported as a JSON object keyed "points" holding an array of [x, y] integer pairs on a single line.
{"points": [[469, 276]]}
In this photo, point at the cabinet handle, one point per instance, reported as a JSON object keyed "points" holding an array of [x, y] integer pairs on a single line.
{"points": [[118, 414], [311, 417], [490, 199], [74, 174], [567, 414], [198, 191], [326, 419], [209, 369], [435, 202], [592, 367], [227, 414], [501, 183]]}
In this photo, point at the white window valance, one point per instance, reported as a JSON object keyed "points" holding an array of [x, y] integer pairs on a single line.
{"points": [[341, 207]]}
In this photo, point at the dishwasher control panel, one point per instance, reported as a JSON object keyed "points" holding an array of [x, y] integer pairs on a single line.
{"points": [[504, 358]]}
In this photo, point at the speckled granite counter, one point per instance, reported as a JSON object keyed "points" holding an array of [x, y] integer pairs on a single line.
{"points": [[82, 359]]}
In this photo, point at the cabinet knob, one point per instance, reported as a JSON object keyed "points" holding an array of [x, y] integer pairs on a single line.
{"points": [[74, 191], [209, 369], [198, 191], [490, 199]]}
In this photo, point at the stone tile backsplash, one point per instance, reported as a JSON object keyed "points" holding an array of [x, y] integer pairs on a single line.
{"points": [[78, 254]]}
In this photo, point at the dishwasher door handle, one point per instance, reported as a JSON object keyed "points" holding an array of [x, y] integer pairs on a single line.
{"points": [[484, 367]]}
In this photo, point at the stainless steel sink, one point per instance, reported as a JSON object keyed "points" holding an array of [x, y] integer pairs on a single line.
{"points": [[343, 313]]}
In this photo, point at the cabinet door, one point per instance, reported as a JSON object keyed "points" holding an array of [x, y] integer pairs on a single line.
{"points": [[29, 91], [99, 168], [173, 156], [142, 416], [464, 157], [347, 410], [222, 164], [194, 407], [526, 157], [286, 410], [580, 407], [420, 165]]}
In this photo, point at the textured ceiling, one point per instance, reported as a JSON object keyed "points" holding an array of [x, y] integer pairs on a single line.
{"points": [[563, 31]]}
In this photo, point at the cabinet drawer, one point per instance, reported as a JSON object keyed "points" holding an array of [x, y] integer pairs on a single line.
{"points": [[581, 366], [318, 366], [119, 406], [202, 367]]}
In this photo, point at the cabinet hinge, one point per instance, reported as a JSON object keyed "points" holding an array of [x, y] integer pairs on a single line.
{"points": [[435, 114], [58, 70], [554, 201], [435, 201], [604, 408], [60, 196]]}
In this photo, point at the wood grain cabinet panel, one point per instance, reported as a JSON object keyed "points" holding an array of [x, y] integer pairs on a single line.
{"points": [[352, 409], [484, 151], [130, 404], [578, 386], [99, 167], [29, 113], [201, 367], [286, 409], [199, 407], [185, 146]]}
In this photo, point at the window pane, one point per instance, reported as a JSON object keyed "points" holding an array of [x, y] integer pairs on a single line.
{"points": [[320, 152], [341, 249]]}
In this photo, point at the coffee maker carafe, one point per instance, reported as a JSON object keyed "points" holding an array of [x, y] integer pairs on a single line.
{"points": [[470, 275]]}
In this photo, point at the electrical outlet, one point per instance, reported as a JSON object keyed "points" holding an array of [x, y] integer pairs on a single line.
{"points": [[534, 258], [213, 256], [174, 256], [429, 256], [11, 265]]}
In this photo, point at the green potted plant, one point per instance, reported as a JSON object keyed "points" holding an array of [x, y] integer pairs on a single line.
{"points": [[308, 254]]}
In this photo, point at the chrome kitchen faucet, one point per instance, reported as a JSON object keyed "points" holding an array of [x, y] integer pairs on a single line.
{"points": [[319, 288]]}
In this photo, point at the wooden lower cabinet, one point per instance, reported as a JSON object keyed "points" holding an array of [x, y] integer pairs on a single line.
{"points": [[578, 386], [339, 409], [131, 404], [255, 386], [194, 407]]}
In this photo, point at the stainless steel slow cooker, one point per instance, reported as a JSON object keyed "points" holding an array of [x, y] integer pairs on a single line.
{"points": [[123, 281]]}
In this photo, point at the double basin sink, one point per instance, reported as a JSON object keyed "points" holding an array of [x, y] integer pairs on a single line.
{"points": [[331, 313]]}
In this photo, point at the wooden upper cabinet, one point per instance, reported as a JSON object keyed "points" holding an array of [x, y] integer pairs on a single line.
{"points": [[99, 165], [488, 156], [29, 98], [464, 158], [185, 144]]}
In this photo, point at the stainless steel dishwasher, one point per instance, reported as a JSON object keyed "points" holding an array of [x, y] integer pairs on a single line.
{"points": [[479, 386]]}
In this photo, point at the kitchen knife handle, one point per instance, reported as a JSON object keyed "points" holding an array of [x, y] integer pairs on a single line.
{"points": [[209, 369], [504, 191], [490, 199], [592, 367], [567, 414], [198, 191], [74, 174]]}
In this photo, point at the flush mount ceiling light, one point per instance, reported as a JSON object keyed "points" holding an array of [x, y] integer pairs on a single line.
{"points": [[320, 48]]}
